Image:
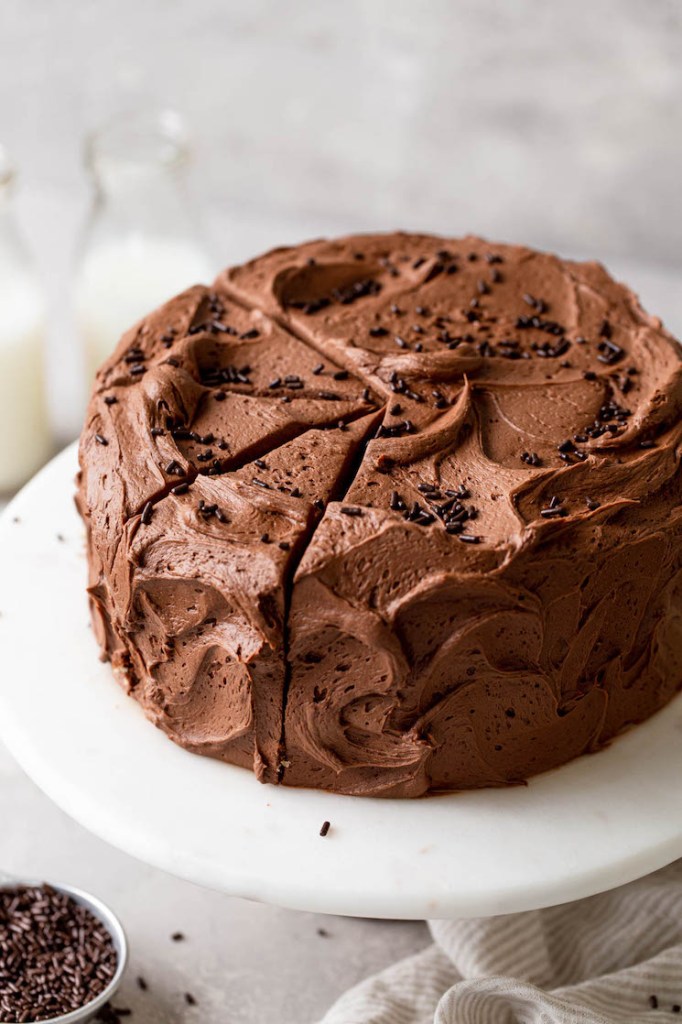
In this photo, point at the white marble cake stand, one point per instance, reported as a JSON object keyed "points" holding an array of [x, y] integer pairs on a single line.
{"points": [[594, 824]]}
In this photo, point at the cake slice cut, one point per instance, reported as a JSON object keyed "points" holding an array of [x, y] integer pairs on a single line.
{"points": [[194, 605], [418, 658], [395, 310], [199, 387]]}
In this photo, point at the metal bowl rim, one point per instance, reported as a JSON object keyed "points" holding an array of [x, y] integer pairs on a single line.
{"points": [[108, 918]]}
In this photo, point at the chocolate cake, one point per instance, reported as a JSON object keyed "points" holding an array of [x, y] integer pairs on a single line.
{"points": [[390, 514]]}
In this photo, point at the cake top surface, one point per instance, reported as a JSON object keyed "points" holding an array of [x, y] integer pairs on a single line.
{"points": [[508, 373], [512, 386]]}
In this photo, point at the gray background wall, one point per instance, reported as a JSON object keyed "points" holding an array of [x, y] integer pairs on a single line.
{"points": [[556, 121]]}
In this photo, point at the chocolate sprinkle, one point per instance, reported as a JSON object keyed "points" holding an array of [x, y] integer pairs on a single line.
{"points": [[325, 828], [609, 352]]}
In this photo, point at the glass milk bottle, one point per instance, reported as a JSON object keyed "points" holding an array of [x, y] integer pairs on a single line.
{"points": [[25, 441], [141, 244]]}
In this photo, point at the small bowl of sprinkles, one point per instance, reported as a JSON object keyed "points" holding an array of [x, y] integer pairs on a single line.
{"points": [[62, 954]]}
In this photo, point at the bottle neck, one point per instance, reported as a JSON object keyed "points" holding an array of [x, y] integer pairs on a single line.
{"points": [[142, 197]]}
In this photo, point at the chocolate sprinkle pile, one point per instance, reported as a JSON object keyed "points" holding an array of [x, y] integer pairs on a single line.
{"points": [[55, 956], [445, 504]]}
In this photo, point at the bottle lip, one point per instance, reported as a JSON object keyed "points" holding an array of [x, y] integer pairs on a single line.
{"points": [[138, 140]]}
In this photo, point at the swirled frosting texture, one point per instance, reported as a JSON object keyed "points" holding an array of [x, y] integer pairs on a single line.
{"points": [[391, 514]]}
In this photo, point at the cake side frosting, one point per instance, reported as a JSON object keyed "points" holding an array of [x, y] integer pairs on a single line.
{"points": [[485, 584], [203, 472]]}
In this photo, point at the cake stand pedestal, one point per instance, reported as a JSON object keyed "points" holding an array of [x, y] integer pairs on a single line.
{"points": [[599, 822]]}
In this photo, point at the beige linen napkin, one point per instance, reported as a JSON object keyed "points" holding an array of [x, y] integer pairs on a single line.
{"points": [[615, 958]]}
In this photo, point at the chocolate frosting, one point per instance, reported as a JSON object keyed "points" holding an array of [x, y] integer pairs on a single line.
{"points": [[391, 514]]}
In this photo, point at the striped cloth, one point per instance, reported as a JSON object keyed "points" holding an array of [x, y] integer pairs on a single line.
{"points": [[615, 958]]}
